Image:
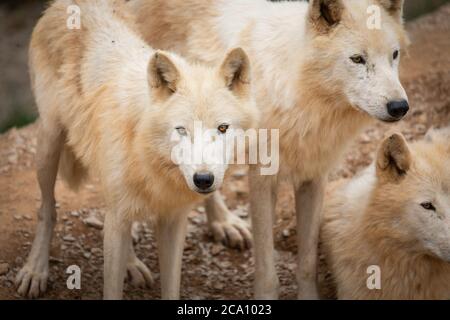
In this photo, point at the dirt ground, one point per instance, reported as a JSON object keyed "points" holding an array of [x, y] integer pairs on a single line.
{"points": [[210, 271]]}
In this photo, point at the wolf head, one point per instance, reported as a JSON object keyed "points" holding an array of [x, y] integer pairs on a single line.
{"points": [[199, 108], [356, 50], [411, 202]]}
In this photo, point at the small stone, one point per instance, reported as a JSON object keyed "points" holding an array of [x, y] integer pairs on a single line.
{"points": [[69, 238], [12, 159], [87, 255], [286, 233], [55, 260], [4, 268], [74, 213], [216, 249], [365, 138], [96, 251], [218, 286], [94, 222], [17, 217], [201, 209]]}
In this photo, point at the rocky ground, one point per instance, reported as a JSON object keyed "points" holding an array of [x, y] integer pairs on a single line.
{"points": [[210, 270]]}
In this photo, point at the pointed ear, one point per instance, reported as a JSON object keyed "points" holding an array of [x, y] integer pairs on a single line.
{"points": [[393, 7], [394, 158], [325, 14], [163, 75], [235, 70]]}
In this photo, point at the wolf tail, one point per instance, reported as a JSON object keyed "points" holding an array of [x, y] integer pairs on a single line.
{"points": [[71, 170]]}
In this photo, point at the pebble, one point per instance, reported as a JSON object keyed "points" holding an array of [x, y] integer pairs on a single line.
{"points": [[55, 260], [74, 213], [201, 209], [218, 286], [94, 222], [216, 249], [4, 268], [96, 251], [12, 159], [69, 238]]}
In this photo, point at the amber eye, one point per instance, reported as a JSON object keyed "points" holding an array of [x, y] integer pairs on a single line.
{"points": [[223, 128], [181, 130], [358, 59], [428, 206], [395, 55]]}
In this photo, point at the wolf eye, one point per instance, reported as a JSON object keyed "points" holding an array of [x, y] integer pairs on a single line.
{"points": [[181, 130], [358, 59], [428, 206], [223, 128], [395, 55]]}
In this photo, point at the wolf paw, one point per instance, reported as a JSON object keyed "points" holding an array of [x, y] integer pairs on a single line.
{"points": [[138, 275], [31, 281], [233, 232]]}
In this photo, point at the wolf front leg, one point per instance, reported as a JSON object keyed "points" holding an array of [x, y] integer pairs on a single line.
{"points": [[171, 234], [262, 207], [227, 228], [308, 205], [31, 280], [116, 246]]}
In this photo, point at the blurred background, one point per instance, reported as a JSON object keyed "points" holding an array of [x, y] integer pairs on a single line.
{"points": [[17, 19]]}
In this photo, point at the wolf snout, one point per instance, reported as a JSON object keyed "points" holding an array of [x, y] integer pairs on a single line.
{"points": [[203, 181], [398, 109]]}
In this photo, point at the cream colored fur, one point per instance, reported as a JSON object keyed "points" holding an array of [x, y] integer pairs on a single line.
{"points": [[113, 104], [307, 87], [377, 219]]}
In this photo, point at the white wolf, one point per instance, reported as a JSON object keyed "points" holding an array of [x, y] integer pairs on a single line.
{"points": [[322, 75], [110, 104]]}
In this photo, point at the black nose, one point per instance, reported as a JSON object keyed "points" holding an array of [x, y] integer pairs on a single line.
{"points": [[203, 180], [398, 109]]}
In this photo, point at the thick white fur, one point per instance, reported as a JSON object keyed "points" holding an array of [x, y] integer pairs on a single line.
{"points": [[306, 86]]}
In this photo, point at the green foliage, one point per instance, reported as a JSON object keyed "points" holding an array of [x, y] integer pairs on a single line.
{"points": [[19, 118]]}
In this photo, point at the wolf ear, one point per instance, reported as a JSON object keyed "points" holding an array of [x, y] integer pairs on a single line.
{"points": [[235, 70], [393, 7], [163, 75], [394, 157], [325, 14]]}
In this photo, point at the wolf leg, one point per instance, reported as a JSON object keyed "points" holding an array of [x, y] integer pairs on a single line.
{"points": [[262, 204], [226, 227], [116, 246], [308, 205], [138, 274], [171, 234], [32, 279]]}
